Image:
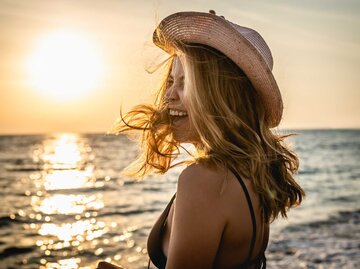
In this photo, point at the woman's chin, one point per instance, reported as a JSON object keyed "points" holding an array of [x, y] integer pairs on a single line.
{"points": [[182, 131], [179, 121]]}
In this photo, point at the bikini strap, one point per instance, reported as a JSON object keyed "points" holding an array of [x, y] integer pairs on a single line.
{"points": [[167, 210], [162, 260], [253, 219]]}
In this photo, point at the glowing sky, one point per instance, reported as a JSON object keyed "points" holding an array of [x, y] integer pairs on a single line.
{"points": [[315, 45]]}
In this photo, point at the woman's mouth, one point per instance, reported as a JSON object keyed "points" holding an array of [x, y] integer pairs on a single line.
{"points": [[177, 113], [177, 116]]}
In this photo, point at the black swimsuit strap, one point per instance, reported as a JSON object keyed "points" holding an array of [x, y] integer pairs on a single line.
{"points": [[253, 219], [161, 259], [167, 209]]}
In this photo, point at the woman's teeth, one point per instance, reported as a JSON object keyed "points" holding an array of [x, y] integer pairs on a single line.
{"points": [[177, 113]]}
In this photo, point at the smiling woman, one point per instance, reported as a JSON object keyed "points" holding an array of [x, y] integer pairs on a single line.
{"points": [[65, 66]]}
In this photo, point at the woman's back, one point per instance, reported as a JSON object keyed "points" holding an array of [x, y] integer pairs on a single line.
{"points": [[227, 219]]}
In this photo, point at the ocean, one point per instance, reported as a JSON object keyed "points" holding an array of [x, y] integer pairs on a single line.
{"points": [[64, 203]]}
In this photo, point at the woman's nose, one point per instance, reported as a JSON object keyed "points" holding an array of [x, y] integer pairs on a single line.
{"points": [[172, 93]]}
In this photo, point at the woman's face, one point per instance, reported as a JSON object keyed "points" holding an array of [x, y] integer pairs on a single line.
{"points": [[183, 131]]}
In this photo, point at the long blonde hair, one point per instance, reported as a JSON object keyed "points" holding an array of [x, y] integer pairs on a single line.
{"points": [[230, 121]]}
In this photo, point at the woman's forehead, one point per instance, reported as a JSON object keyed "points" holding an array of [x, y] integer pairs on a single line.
{"points": [[177, 68]]}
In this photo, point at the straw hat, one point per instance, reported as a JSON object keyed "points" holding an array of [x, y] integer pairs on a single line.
{"points": [[244, 46]]}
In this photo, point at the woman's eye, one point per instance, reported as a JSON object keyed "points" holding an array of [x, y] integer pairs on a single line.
{"points": [[170, 82]]}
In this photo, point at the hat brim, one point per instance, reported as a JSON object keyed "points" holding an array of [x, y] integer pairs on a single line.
{"points": [[216, 32]]}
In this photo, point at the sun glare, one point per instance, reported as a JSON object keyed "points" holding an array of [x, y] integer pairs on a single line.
{"points": [[65, 65]]}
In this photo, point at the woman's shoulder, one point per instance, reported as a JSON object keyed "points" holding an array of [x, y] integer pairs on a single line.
{"points": [[203, 172], [199, 169], [198, 176], [199, 194]]}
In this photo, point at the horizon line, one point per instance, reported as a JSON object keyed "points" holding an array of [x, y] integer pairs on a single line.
{"points": [[106, 134]]}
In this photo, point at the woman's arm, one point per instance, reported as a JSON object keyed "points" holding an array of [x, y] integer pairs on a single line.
{"points": [[198, 220]]}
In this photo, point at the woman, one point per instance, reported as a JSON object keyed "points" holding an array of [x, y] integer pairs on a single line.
{"points": [[219, 94]]}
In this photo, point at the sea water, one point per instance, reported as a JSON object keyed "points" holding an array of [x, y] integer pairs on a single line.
{"points": [[64, 203]]}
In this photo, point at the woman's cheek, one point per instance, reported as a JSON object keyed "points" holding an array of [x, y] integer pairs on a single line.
{"points": [[185, 98]]}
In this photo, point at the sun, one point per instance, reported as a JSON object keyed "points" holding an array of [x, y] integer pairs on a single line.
{"points": [[65, 65]]}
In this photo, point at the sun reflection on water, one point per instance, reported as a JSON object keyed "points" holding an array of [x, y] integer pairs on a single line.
{"points": [[67, 220], [68, 179], [66, 204], [81, 230], [63, 151]]}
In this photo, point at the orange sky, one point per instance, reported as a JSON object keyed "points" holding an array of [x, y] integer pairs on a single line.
{"points": [[316, 50]]}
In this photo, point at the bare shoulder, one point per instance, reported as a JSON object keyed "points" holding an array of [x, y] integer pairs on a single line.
{"points": [[198, 220], [197, 179], [199, 168]]}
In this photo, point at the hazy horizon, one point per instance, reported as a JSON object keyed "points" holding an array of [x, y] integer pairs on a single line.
{"points": [[287, 130]]}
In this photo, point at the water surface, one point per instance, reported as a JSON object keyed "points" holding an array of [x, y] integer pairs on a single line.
{"points": [[65, 204]]}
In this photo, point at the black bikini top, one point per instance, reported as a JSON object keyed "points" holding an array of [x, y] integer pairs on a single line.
{"points": [[154, 244]]}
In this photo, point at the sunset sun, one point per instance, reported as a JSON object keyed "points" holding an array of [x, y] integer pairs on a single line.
{"points": [[65, 66]]}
